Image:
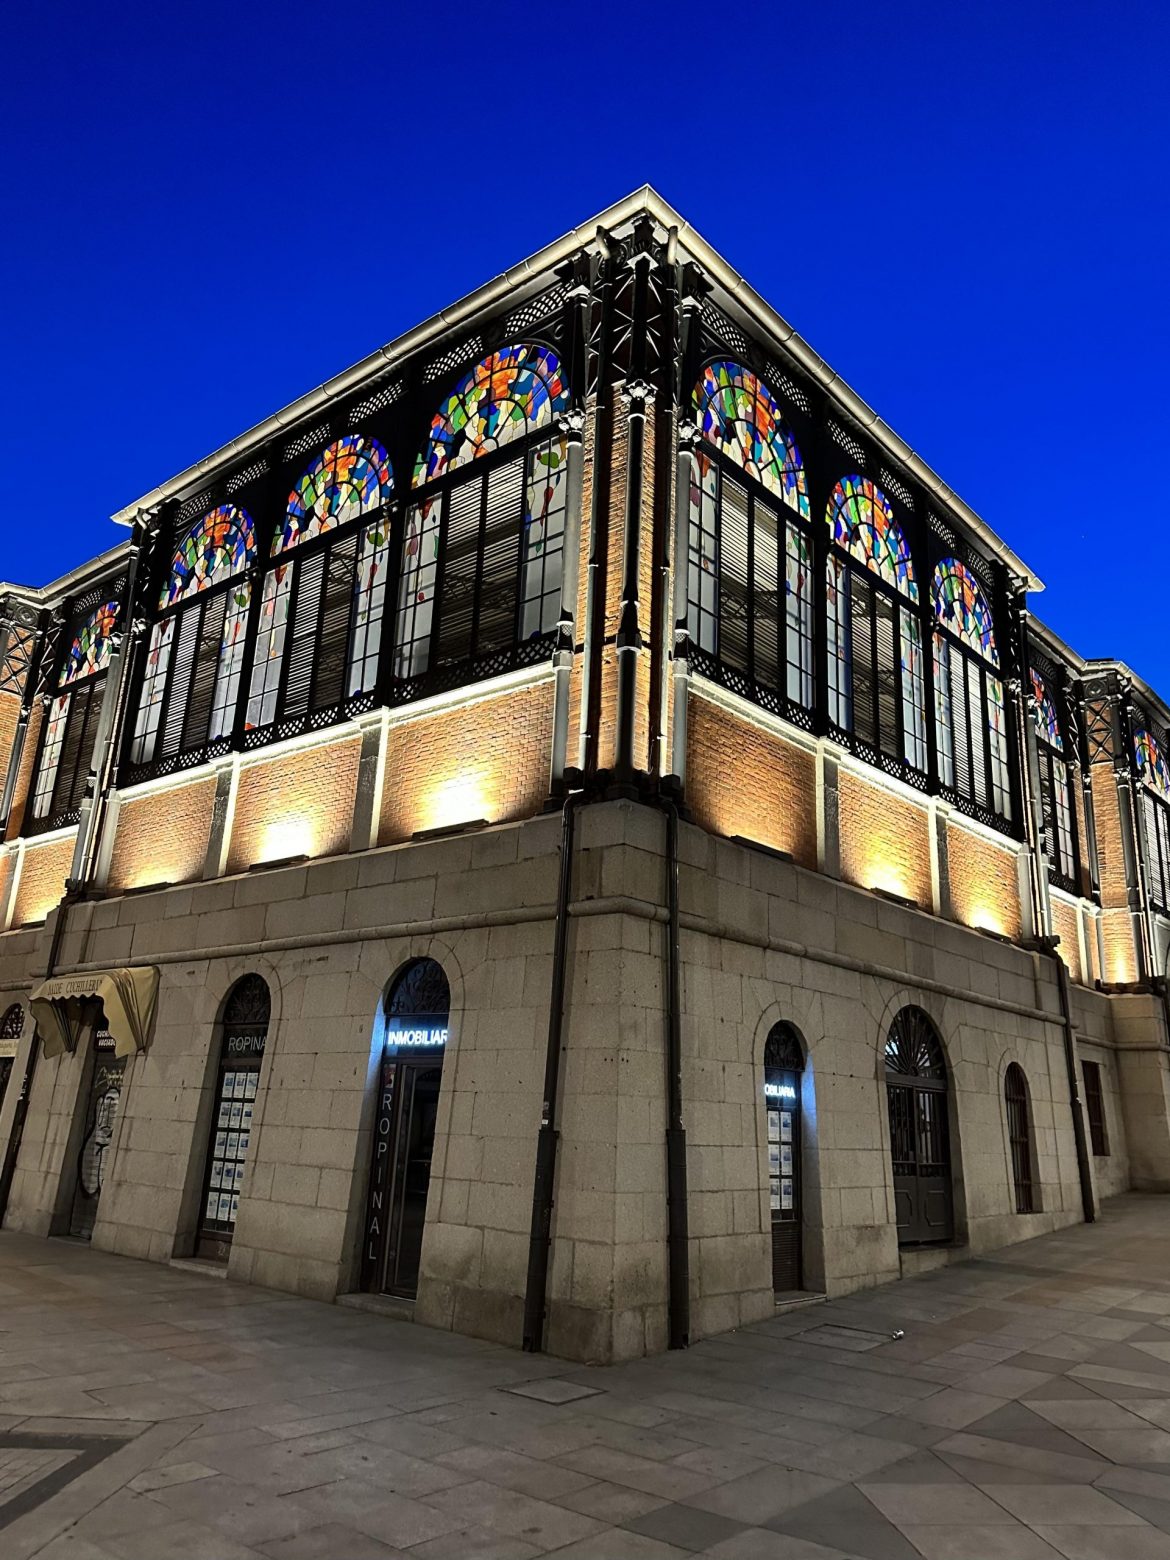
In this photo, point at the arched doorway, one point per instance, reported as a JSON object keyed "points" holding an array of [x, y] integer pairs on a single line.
{"points": [[916, 1096], [783, 1065], [416, 1010], [11, 1029], [1015, 1093], [244, 1034], [106, 1076]]}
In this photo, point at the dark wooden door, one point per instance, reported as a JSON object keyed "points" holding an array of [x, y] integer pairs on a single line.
{"points": [[105, 1096], [916, 1098]]}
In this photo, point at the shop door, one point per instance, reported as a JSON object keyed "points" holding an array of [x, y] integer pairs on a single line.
{"points": [[916, 1098], [416, 1015], [105, 1095], [783, 1061], [245, 1031]]}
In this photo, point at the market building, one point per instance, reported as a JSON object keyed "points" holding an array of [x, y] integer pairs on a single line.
{"points": [[574, 828]]}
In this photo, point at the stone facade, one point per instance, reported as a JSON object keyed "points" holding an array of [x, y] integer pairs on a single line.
{"points": [[820, 886]]}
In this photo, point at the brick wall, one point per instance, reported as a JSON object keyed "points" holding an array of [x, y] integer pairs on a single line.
{"points": [[24, 774], [1083, 857], [607, 724], [9, 718], [1120, 954], [885, 839], [985, 888], [1110, 855], [162, 837], [744, 780], [577, 675], [42, 878], [298, 804], [487, 759], [1064, 924]]}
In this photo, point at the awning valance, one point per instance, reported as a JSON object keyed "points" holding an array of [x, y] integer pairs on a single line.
{"points": [[129, 997]]}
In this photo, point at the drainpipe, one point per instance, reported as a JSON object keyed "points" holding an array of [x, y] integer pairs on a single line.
{"points": [[540, 1230], [677, 1227], [1048, 945]]}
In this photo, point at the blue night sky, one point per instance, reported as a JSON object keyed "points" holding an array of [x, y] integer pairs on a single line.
{"points": [[963, 208]]}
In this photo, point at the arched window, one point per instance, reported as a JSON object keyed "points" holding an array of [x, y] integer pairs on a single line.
{"points": [[1015, 1089], [11, 1029], [783, 1066], [876, 687], [1154, 806], [324, 596], [1055, 786], [916, 1099], [481, 566], [970, 715], [749, 554], [243, 1036], [71, 720], [196, 648]]}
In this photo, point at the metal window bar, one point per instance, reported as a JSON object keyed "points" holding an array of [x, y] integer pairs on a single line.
{"points": [[1019, 1138], [1095, 1109]]}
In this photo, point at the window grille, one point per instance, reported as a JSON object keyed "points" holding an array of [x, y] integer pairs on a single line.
{"points": [[1019, 1138]]}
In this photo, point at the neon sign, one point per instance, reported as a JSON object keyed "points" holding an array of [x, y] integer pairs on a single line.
{"points": [[431, 1036], [779, 1091]]}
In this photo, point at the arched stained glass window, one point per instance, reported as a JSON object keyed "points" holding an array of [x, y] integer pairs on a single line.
{"points": [[1151, 766], [482, 556], [970, 711], [92, 646], [961, 606], [876, 673], [749, 564], [738, 414], [510, 394], [215, 548], [862, 523], [1154, 806], [1055, 786], [346, 481]]}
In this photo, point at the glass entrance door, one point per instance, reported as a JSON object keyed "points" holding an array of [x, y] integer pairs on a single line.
{"points": [[418, 1109], [105, 1096], [783, 1064], [241, 1054]]}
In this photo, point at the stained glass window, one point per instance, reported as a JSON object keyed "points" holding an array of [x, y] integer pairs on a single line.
{"points": [[347, 480], [215, 548], [51, 753], [416, 589], [154, 682], [268, 657], [961, 606], [369, 607], [1151, 766], [93, 645], [511, 393], [862, 522], [544, 537], [231, 662], [740, 417], [1044, 713]]}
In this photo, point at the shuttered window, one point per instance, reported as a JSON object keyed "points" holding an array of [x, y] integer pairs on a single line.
{"points": [[749, 584], [971, 728], [1056, 810], [1156, 830], [482, 563], [876, 685], [67, 751], [191, 679]]}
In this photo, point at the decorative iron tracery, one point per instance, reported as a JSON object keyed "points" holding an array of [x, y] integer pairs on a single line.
{"points": [[248, 1005], [12, 1022], [422, 989], [913, 1047], [782, 1048], [960, 605]]}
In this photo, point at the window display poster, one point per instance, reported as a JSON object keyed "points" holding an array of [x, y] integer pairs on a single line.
{"points": [[786, 1202], [785, 1126], [786, 1159]]}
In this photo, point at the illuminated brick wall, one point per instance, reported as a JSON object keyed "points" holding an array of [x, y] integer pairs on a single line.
{"points": [[985, 888], [885, 840], [1064, 924], [487, 759], [607, 725], [42, 878], [1120, 954], [300, 803], [24, 774], [162, 837], [9, 719], [1082, 834], [576, 676], [1110, 854], [744, 780]]}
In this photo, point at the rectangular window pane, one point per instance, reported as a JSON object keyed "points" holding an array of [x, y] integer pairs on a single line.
{"points": [[329, 637], [416, 590], [974, 733], [186, 640], [498, 618], [702, 554], [203, 674], [865, 697], [837, 628], [269, 653], [943, 714], [78, 751], [154, 682], [1001, 792], [798, 617], [544, 537], [1063, 817], [231, 661], [51, 754], [913, 691], [369, 605]]}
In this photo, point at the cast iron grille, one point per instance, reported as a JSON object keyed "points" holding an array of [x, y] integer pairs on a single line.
{"points": [[913, 1049], [12, 1024], [249, 1005], [1095, 1109], [421, 989]]}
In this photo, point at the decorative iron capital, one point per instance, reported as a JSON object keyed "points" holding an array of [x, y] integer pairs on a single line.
{"points": [[637, 394]]}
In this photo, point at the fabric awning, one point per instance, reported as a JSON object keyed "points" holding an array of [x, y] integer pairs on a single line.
{"points": [[129, 997]]}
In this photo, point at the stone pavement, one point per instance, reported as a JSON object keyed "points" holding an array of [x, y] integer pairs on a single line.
{"points": [[150, 1412]]}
